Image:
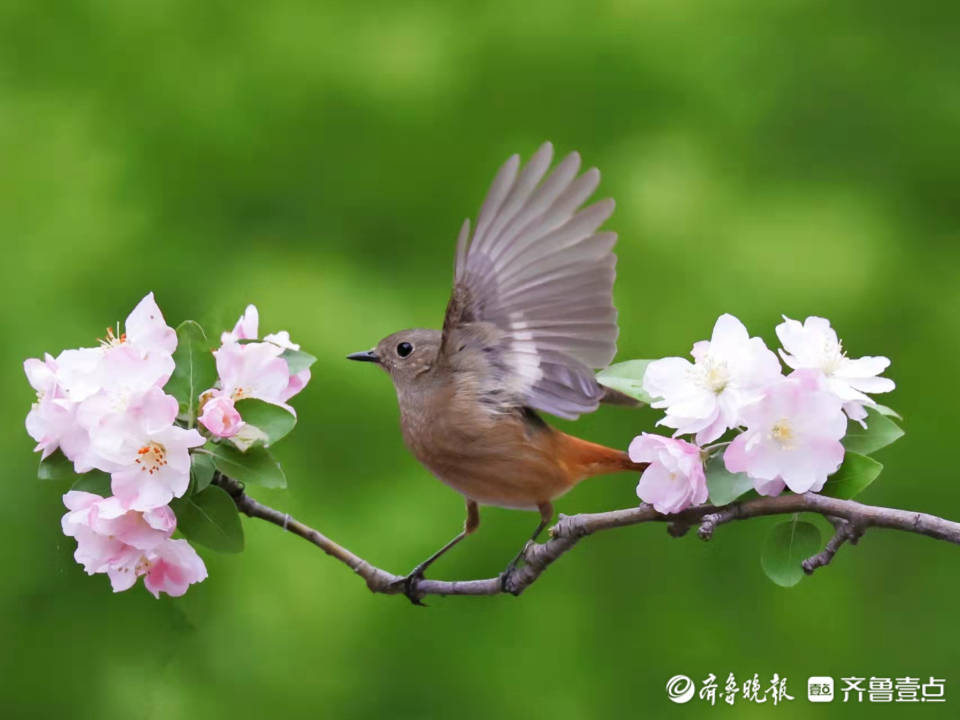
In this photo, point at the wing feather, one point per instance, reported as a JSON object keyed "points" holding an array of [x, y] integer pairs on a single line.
{"points": [[533, 288]]}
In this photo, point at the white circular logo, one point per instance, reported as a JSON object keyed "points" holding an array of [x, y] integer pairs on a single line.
{"points": [[680, 688]]}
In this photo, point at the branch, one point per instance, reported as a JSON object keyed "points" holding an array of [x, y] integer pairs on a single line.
{"points": [[845, 531], [850, 518]]}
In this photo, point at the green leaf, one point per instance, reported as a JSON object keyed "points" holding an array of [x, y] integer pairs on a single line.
{"points": [[95, 482], [201, 472], [627, 377], [272, 420], [789, 544], [195, 369], [210, 518], [256, 466], [855, 475], [724, 486], [298, 360], [880, 432], [56, 467], [888, 411]]}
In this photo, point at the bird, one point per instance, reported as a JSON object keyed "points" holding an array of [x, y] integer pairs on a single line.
{"points": [[529, 320]]}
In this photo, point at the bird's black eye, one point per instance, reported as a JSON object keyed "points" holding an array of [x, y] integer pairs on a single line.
{"points": [[404, 349]]}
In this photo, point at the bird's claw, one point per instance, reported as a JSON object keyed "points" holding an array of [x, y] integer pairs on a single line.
{"points": [[409, 586], [507, 575]]}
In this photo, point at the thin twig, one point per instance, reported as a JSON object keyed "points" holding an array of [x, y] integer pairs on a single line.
{"points": [[851, 519], [844, 531]]}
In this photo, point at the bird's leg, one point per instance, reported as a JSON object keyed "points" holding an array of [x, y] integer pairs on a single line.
{"points": [[546, 515], [470, 524]]}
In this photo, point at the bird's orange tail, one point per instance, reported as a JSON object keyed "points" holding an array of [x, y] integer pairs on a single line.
{"points": [[585, 459]]}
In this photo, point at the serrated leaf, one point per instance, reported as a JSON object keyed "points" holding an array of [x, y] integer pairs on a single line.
{"points": [[210, 518], [95, 482], [194, 371], [724, 486], [272, 420], [880, 432], [297, 360], [56, 467], [627, 377], [787, 545], [201, 472], [854, 476], [256, 466]]}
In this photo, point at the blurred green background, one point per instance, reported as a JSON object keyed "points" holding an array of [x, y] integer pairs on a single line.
{"points": [[317, 159]]}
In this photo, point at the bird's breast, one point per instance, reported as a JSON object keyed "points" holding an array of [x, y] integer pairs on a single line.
{"points": [[492, 457]]}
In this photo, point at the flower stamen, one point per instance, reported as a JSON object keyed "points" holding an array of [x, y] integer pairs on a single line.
{"points": [[152, 457], [113, 338], [782, 433]]}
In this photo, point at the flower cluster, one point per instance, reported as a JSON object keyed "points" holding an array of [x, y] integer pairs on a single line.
{"points": [[249, 369], [787, 429], [126, 544], [109, 412]]}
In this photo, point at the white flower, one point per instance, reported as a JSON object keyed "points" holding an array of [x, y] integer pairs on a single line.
{"points": [[814, 344], [705, 397]]}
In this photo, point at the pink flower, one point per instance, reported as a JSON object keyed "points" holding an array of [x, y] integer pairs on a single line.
{"points": [[705, 397], [77, 391], [140, 358], [173, 566], [815, 345], [51, 418], [126, 544], [51, 423], [274, 344], [247, 327], [219, 416], [148, 331], [674, 480], [295, 384], [793, 436], [42, 376], [252, 370], [79, 372], [146, 454]]}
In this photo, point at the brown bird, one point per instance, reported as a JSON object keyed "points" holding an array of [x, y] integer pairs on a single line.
{"points": [[531, 316]]}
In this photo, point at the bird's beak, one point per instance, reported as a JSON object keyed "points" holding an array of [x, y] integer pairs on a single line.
{"points": [[365, 356]]}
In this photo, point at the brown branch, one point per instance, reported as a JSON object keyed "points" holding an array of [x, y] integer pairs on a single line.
{"points": [[850, 518], [844, 531]]}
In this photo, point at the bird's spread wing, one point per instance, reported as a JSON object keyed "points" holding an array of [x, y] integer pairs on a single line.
{"points": [[533, 287]]}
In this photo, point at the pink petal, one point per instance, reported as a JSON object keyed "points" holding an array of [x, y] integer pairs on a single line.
{"points": [[176, 567], [146, 328]]}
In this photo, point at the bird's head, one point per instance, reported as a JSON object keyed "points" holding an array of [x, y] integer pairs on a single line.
{"points": [[405, 355]]}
